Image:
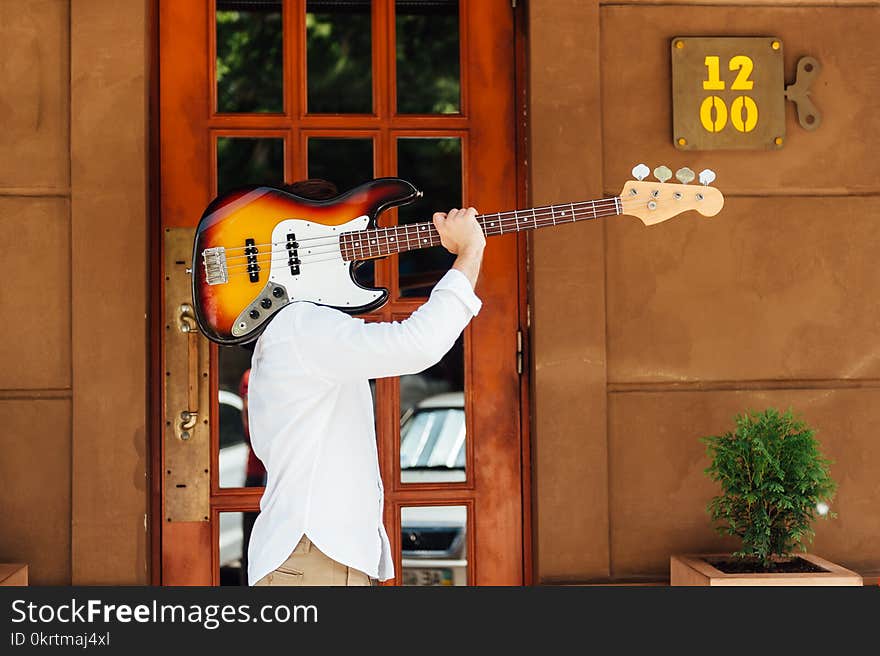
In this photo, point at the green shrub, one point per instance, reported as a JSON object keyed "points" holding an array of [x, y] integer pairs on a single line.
{"points": [[772, 477]]}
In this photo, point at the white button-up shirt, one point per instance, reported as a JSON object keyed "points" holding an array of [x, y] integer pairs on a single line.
{"points": [[311, 423]]}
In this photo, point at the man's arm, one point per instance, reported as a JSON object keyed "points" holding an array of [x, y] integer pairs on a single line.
{"points": [[336, 346]]}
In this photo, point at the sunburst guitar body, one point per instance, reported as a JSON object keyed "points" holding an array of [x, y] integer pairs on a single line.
{"points": [[259, 248]]}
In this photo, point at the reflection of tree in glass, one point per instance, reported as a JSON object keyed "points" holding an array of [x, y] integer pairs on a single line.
{"points": [[433, 165], [250, 59], [245, 160], [339, 59], [427, 57], [346, 162]]}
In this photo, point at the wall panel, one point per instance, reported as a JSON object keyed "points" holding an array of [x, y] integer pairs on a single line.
{"points": [[567, 297], [35, 295], [772, 302], [769, 289], [109, 289], [837, 158], [35, 503], [659, 492], [35, 374], [34, 106]]}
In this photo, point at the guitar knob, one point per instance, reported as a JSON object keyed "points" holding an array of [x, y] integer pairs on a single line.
{"points": [[278, 292], [266, 303], [254, 314]]}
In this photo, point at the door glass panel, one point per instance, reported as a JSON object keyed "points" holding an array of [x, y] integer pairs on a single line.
{"points": [[433, 543], [432, 422], [250, 56], [238, 465], [249, 160], [428, 77], [432, 164], [346, 162], [339, 57], [234, 536]]}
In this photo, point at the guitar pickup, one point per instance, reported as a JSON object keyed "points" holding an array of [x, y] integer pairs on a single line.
{"points": [[251, 251], [214, 260], [293, 260]]}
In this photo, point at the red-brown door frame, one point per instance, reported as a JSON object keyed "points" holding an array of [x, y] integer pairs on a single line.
{"points": [[202, 540]]}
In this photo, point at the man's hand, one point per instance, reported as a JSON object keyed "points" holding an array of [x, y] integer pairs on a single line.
{"points": [[459, 230], [461, 235]]}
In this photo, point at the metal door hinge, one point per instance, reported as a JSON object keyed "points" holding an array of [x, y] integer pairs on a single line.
{"points": [[519, 352]]}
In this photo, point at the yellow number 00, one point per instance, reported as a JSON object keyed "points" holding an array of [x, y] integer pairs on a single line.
{"points": [[743, 114]]}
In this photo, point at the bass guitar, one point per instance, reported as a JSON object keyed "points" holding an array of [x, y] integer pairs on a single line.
{"points": [[257, 249]]}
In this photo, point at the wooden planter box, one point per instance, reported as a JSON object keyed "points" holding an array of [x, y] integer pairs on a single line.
{"points": [[695, 570], [13, 574]]}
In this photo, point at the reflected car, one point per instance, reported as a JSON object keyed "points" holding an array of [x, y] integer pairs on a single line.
{"points": [[432, 449], [233, 465]]}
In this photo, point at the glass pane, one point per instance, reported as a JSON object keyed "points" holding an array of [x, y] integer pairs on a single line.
{"points": [[250, 56], [432, 422], [339, 57], [249, 160], [235, 534], [433, 545], [346, 162], [428, 78], [433, 165], [238, 466]]}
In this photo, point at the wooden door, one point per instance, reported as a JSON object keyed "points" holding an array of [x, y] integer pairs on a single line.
{"points": [[273, 92]]}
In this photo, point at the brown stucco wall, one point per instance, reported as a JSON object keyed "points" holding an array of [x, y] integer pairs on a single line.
{"points": [[73, 217], [646, 339]]}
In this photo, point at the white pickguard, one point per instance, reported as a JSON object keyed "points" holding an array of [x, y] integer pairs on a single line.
{"points": [[324, 276]]}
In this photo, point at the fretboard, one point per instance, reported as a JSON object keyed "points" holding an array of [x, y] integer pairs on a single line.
{"points": [[379, 242]]}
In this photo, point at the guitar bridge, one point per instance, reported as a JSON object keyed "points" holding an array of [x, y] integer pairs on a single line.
{"points": [[214, 260]]}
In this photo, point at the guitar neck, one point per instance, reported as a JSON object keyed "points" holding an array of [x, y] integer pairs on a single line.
{"points": [[379, 242]]}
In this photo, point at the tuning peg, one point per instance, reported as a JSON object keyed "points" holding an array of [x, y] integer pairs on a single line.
{"points": [[640, 172], [684, 175], [707, 177], [662, 173]]}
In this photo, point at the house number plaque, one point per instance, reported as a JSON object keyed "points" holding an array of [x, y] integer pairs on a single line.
{"points": [[728, 93]]}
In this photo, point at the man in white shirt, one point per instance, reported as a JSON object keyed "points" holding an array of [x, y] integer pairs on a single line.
{"points": [[311, 422]]}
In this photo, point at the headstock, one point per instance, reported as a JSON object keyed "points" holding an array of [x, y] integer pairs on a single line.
{"points": [[655, 202]]}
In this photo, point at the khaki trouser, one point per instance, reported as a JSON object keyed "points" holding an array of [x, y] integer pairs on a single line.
{"points": [[308, 565]]}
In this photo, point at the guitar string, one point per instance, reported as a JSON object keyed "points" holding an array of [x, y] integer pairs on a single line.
{"points": [[242, 269], [555, 216], [542, 208], [544, 219], [309, 258]]}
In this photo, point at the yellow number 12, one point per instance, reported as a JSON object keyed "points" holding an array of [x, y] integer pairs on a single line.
{"points": [[739, 62]]}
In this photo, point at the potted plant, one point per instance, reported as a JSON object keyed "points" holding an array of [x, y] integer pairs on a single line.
{"points": [[774, 482]]}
